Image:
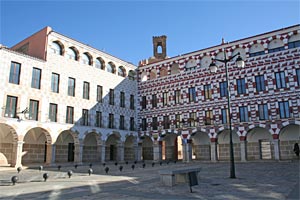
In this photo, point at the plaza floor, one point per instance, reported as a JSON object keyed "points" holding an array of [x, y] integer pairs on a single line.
{"points": [[254, 180]]}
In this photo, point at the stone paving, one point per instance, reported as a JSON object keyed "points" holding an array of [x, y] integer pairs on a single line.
{"points": [[255, 180]]}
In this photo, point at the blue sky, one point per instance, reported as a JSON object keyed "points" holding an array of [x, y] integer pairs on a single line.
{"points": [[124, 28]]}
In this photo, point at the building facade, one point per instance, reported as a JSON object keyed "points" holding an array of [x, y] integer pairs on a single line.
{"points": [[64, 101], [183, 112]]}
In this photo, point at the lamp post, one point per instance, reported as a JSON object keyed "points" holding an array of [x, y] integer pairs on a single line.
{"points": [[213, 68]]}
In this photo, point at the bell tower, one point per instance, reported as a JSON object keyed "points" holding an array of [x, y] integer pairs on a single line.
{"points": [[160, 47]]}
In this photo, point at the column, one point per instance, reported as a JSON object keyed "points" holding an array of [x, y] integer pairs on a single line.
{"points": [[49, 154], [189, 153], [120, 149], [98, 152], [19, 154], [243, 146], [213, 149], [138, 151], [103, 152], [53, 150], [78, 153], [157, 151], [276, 146]]}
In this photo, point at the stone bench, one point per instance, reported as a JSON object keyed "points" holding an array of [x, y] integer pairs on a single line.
{"points": [[171, 177]]}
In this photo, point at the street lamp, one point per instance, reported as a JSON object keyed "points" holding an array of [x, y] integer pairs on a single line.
{"points": [[213, 68]]}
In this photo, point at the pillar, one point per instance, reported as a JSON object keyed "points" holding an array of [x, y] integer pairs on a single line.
{"points": [[138, 151], [157, 145], [103, 152], [243, 146], [276, 146], [213, 149], [99, 152], [120, 151], [187, 150], [19, 154], [49, 154], [78, 153], [53, 150]]}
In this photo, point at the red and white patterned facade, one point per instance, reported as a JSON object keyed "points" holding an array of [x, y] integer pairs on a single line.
{"points": [[276, 52]]}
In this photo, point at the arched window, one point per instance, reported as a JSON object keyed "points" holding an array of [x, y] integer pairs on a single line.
{"points": [[275, 45], [85, 59], [153, 74], [191, 65], [56, 48], [163, 71], [131, 75], [99, 63], [294, 41], [256, 50], [121, 71], [175, 68], [205, 61], [72, 54], [110, 67]]}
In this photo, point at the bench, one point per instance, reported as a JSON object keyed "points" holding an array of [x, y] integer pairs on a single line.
{"points": [[172, 177]]}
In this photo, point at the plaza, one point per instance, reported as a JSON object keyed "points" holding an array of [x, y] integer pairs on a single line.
{"points": [[255, 180]]}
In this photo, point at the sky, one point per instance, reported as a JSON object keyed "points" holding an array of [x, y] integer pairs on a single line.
{"points": [[124, 28]]}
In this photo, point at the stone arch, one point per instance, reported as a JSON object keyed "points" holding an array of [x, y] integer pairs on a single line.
{"points": [[121, 71], [144, 76], [275, 45], [8, 144], [205, 62], [75, 51], [259, 144], [288, 136], [175, 69], [147, 148], [223, 147], [100, 63], [111, 67], [65, 146], [240, 50], [163, 72], [129, 144], [201, 146], [170, 146], [91, 148], [256, 49], [61, 50], [89, 60], [153, 74], [35, 145], [111, 146]]}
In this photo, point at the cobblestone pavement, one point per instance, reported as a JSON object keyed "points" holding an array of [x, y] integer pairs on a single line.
{"points": [[255, 180]]}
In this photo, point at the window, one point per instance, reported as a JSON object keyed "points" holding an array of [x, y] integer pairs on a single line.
{"points": [[177, 97], [33, 109], [56, 48], [241, 86], [36, 78], [70, 115], [144, 124], [53, 112], [99, 93], [98, 64], [298, 76], [192, 94], [284, 109], [111, 121], [122, 122], [110, 67], [207, 91], [263, 112], [154, 123], [294, 44], [280, 80], [86, 59], [225, 118], [165, 98], [154, 101], [276, 49], [98, 119], [11, 106], [223, 89], [132, 128], [166, 122], [132, 102], [260, 83], [121, 71], [71, 54], [144, 102], [55, 83], [71, 87], [243, 113], [193, 120], [111, 97], [86, 90], [208, 117], [178, 121], [131, 75], [85, 117], [14, 74], [256, 53], [122, 99]]}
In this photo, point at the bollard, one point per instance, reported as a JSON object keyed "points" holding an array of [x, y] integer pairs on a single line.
{"points": [[45, 176], [135, 162], [58, 167], [70, 173], [14, 179], [121, 168], [153, 164], [144, 165], [91, 164], [126, 162], [90, 171], [106, 169], [132, 167], [103, 164], [40, 168], [116, 163], [19, 169], [160, 163], [75, 166]]}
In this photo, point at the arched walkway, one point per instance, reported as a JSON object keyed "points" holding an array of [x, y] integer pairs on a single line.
{"points": [[8, 145], [147, 148], [35, 146], [65, 147], [201, 146], [111, 147], [288, 136], [90, 148], [259, 144], [170, 147], [223, 148], [129, 148]]}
